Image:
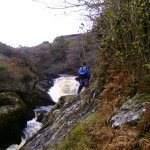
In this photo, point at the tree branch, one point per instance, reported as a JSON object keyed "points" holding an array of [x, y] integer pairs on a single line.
{"points": [[63, 7]]}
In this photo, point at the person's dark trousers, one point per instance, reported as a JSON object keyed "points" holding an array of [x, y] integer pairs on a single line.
{"points": [[81, 86]]}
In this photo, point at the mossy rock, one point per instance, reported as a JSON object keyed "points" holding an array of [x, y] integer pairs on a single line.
{"points": [[36, 97], [12, 118], [144, 97]]}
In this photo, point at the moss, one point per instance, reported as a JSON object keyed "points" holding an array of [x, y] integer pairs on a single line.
{"points": [[10, 98], [77, 139], [12, 118], [142, 140], [60, 103], [11, 108], [58, 106], [145, 97]]}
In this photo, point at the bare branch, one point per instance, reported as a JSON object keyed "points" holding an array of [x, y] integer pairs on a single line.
{"points": [[73, 4], [63, 7]]}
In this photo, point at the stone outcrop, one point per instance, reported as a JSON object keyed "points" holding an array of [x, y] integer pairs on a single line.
{"points": [[65, 114], [12, 118], [16, 108]]}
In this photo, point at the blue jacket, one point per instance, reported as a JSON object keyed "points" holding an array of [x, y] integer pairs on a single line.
{"points": [[84, 72]]}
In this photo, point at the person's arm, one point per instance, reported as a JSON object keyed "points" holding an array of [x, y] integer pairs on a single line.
{"points": [[89, 73]]}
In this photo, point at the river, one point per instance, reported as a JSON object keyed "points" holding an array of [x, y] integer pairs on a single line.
{"points": [[65, 85]]}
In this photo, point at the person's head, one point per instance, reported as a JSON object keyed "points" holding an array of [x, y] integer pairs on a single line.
{"points": [[84, 63]]}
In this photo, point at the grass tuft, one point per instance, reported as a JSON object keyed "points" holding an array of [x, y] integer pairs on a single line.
{"points": [[77, 138]]}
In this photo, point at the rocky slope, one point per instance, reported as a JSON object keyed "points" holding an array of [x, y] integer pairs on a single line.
{"points": [[95, 120], [63, 116]]}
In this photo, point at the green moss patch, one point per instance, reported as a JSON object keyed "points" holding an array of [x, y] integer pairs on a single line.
{"points": [[144, 97], [77, 138]]}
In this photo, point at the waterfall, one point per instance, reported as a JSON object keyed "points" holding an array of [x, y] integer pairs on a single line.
{"points": [[32, 127], [65, 85]]}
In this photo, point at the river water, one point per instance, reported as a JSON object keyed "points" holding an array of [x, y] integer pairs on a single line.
{"points": [[65, 85]]}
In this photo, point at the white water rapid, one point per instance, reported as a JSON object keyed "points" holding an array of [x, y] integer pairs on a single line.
{"points": [[65, 85], [32, 127]]}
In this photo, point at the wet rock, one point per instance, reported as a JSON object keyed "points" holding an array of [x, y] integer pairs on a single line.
{"points": [[40, 114], [36, 97], [130, 111], [12, 118], [47, 83], [65, 114]]}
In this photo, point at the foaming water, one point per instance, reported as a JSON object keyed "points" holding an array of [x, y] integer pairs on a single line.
{"points": [[63, 86], [32, 127]]}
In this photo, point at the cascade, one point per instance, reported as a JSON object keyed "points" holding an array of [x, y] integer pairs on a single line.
{"points": [[65, 85]]}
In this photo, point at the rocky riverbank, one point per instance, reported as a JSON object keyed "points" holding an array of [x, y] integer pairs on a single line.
{"points": [[75, 120], [16, 108], [13, 117], [63, 116]]}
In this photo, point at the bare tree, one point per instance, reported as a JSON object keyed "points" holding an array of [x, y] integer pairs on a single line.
{"points": [[77, 4]]}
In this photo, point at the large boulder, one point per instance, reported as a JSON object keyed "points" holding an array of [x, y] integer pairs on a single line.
{"points": [[13, 119], [36, 97]]}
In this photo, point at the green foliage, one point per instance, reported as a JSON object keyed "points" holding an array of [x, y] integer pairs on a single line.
{"points": [[2, 66], [125, 35], [59, 49], [145, 97], [13, 76], [77, 139], [147, 66], [5, 50]]}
